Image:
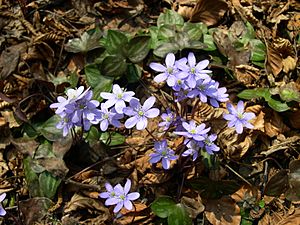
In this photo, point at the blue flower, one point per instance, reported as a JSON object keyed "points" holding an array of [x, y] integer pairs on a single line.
{"points": [[168, 118], [117, 98], [169, 72], [194, 71], [108, 117], [2, 210], [119, 196], [163, 154], [208, 144], [193, 131], [193, 148], [140, 113], [238, 118]]}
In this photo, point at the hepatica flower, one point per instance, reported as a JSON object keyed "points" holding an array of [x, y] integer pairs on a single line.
{"points": [[168, 118], [209, 145], [194, 71], [108, 117], [117, 98], [139, 114], [78, 109], [162, 153], [119, 196], [193, 148], [193, 131], [168, 72], [2, 210], [238, 118]]}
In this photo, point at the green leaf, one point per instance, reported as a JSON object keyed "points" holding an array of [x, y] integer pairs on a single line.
{"points": [[44, 151], [278, 105], [134, 73], [163, 206], [208, 40], [194, 30], [49, 130], [92, 135], [48, 184], [93, 74], [104, 85], [255, 93], [31, 177], [196, 45], [154, 39], [113, 66], [115, 42], [179, 216], [85, 43], [112, 138], [165, 32], [258, 50], [169, 17], [138, 48], [163, 49]]}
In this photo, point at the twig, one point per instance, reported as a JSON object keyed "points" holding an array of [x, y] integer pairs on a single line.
{"points": [[237, 174]]}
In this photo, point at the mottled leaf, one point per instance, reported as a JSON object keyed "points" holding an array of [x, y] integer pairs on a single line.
{"points": [[163, 206]]}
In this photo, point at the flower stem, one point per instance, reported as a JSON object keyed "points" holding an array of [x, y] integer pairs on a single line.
{"points": [[151, 134]]}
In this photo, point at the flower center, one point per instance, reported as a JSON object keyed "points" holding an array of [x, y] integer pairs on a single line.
{"points": [[170, 70], [193, 70], [105, 116], [120, 95], [164, 153], [141, 113], [208, 142], [193, 131], [240, 115], [112, 194], [179, 82], [168, 119], [122, 197]]}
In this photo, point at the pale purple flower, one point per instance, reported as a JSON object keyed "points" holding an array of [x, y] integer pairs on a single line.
{"points": [[193, 148], [119, 196], [140, 113], [238, 118], [219, 96], [117, 98], [65, 124], [168, 118], [208, 144], [204, 89], [194, 71], [163, 154], [168, 72], [193, 131], [2, 210], [108, 117]]}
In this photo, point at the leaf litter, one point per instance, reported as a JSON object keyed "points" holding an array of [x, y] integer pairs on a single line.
{"points": [[44, 48]]}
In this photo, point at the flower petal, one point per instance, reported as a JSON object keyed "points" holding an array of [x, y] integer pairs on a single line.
{"points": [[152, 113], [191, 59], [131, 122], [239, 127], [116, 89], [157, 67], [142, 123], [128, 204], [148, 103], [160, 77], [202, 64], [127, 186], [170, 60], [133, 196], [118, 207], [165, 163], [2, 197], [119, 106], [111, 201]]}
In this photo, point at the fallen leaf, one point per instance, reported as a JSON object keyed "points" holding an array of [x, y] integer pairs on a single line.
{"points": [[247, 75], [193, 205], [209, 12], [9, 59], [289, 64], [34, 209], [223, 211], [292, 219], [55, 166], [274, 61], [277, 184], [153, 178], [274, 124]]}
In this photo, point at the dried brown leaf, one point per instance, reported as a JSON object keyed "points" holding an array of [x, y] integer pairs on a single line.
{"points": [[193, 205], [274, 124], [235, 146], [209, 12], [289, 64], [223, 211], [139, 215], [35, 209], [247, 193], [292, 219], [274, 61], [247, 75], [55, 166], [155, 178], [277, 184], [9, 59]]}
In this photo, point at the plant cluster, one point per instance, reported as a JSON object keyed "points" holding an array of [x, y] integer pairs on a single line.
{"points": [[187, 80]]}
